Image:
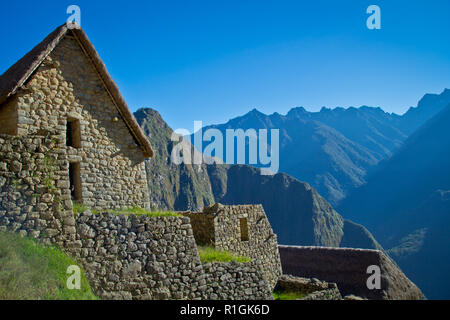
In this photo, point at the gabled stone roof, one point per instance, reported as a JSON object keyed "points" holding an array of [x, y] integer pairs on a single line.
{"points": [[17, 75]]}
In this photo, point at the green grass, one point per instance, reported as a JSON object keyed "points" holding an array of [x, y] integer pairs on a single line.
{"points": [[33, 271], [209, 254], [78, 208], [139, 212], [287, 295]]}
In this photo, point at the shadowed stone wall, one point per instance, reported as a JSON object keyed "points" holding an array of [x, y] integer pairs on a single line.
{"points": [[348, 269], [34, 188], [203, 226]]}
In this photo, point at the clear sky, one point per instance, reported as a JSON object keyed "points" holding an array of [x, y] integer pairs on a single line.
{"points": [[214, 60]]}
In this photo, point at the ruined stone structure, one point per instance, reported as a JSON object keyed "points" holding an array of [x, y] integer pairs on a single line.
{"points": [[62, 86], [129, 257], [242, 230]]}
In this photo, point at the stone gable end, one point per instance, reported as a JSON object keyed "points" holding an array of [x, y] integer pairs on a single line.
{"points": [[67, 88]]}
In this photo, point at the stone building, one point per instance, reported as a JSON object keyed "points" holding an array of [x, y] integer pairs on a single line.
{"points": [[240, 229], [62, 86]]}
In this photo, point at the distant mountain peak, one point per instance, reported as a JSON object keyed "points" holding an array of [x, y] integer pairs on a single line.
{"points": [[255, 111], [432, 96], [251, 114], [297, 111], [146, 111], [338, 109], [428, 106]]}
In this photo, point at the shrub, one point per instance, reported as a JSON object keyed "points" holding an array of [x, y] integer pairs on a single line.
{"points": [[78, 208]]}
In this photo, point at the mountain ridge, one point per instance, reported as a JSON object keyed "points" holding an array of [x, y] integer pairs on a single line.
{"points": [[335, 149], [297, 212], [405, 203]]}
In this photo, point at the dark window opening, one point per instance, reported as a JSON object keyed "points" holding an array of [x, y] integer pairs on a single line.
{"points": [[73, 133], [9, 118], [75, 181], [244, 229]]}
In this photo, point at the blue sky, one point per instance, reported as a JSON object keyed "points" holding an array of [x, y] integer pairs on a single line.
{"points": [[214, 60]]}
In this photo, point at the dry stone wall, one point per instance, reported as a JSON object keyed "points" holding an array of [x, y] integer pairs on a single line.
{"points": [[261, 246], [34, 188], [348, 269], [241, 281], [138, 257], [129, 257]]}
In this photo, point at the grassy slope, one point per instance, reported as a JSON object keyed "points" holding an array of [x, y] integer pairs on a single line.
{"points": [[32, 271]]}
